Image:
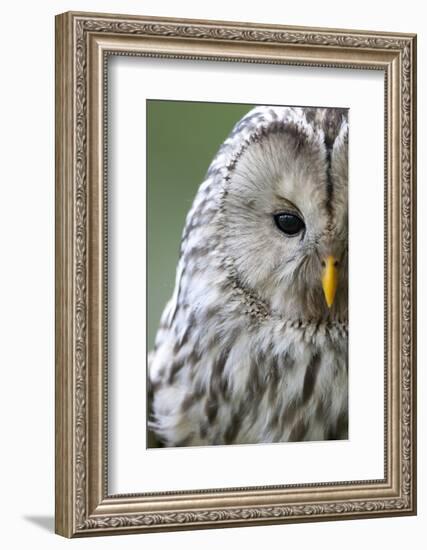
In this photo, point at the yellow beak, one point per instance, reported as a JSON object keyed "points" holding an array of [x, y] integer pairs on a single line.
{"points": [[330, 279]]}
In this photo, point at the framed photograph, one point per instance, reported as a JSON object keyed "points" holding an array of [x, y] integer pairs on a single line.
{"points": [[235, 274]]}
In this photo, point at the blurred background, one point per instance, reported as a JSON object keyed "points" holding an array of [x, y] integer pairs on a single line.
{"points": [[182, 139]]}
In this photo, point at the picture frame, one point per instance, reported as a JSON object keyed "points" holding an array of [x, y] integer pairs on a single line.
{"points": [[84, 43]]}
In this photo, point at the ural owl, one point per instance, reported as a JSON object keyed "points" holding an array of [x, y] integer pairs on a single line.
{"points": [[252, 346]]}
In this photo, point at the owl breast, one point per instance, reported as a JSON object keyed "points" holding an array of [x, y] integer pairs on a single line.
{"points": [[265, 382]]}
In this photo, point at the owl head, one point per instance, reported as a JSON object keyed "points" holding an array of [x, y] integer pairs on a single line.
{"points": [[283, 213]]}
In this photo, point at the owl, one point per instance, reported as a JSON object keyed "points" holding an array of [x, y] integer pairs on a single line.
{"points": [[253, 345]]}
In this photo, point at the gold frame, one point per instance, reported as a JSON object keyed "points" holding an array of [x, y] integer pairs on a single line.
{"points": [[83, 43]]}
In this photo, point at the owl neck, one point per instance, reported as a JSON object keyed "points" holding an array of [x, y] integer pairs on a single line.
{"points": [[221, 299], [253, 306]]}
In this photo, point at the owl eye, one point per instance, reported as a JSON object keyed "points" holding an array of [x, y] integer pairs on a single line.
{"points": [[290, 224]]}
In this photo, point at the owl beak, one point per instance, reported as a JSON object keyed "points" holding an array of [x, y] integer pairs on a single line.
{"points": [[330, 279]]}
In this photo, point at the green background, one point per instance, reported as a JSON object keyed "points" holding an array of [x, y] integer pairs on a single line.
{"points": [[182, 139]]}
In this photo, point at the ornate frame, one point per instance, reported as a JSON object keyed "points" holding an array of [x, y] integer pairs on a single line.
{"points": [[83, 42]]}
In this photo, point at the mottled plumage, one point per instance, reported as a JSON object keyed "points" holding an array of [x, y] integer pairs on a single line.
{"points": [[248, 350]]}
